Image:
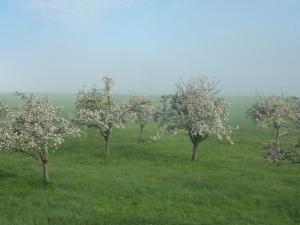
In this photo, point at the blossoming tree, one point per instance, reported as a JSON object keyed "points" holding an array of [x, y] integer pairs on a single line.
{"points": [[142, 108], [34, 129], [3, 110], [97, 109], [296, 110], [272, 111], [196, 109], [295, 106]]}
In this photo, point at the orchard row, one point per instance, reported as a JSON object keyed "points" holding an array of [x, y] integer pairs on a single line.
{"points": [[37, 127]]}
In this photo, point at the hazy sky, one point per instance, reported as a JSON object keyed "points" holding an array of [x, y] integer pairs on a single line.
{"points": [[147, 45]]}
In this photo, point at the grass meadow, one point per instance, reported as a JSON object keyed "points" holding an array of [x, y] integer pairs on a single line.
{"points": [[152, 183]]}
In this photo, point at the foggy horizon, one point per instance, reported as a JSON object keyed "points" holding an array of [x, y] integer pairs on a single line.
{"points": [[60, 46]]}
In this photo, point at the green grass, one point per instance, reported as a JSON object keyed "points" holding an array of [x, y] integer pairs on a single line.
{"points": [[152, 183]]}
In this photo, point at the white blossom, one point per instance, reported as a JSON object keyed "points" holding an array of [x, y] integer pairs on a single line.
{"points": [[141, 108], [296, 110], [34, 129], [272, 111], [295, 101], [3, 110], [97, 109], [197, 109]]}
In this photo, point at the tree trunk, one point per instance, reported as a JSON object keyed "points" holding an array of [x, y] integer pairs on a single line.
{"points": [[195, 149], [107, 146], [277, 138], [45, 170], [141, 134]]}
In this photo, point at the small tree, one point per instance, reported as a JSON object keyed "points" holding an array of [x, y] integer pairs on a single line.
{"points": [[196, 109], [296, 110], [296, 117], [271, 111], [3, 110], [97, 109], [34, 129], [142, 108]]}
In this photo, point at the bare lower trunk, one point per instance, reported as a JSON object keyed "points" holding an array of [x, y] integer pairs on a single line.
{"points": [[277, 138], [141, 134], [45, 170], [107, 146], [195, 151]]}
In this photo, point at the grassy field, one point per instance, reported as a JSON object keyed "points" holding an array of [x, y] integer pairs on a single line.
{"points": [[152, 183]]}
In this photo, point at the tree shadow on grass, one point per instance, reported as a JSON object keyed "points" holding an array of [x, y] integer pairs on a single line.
{"points": [[7, 174], [145, 152]]}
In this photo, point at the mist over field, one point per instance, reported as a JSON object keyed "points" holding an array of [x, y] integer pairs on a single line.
{"points": [[60, 46], [156, 143]]}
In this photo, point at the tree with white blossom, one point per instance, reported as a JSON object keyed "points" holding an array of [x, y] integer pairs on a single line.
{"points": [[97, 109], [3, 110], [195, 108], [142, 108], [34, 129], [272, 111], [295, 105], [296, 110]]}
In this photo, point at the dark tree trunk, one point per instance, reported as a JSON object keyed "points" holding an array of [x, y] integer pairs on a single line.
{"points": [[141, 134], [45, 170], [195, 151], [196, 140], [107, 146], [277, 138]]}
